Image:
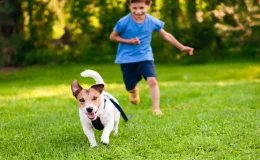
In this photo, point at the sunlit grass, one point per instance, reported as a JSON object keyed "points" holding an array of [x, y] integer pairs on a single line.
{"points": [[39, 92], [211, 112]]}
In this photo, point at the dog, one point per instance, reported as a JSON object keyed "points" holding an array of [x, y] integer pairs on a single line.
{"points": [[95, 108]]}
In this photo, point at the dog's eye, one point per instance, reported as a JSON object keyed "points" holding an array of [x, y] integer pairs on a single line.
{"points": [[94, 98], [82, 100]]}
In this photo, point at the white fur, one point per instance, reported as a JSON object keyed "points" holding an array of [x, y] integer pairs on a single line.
{"points": [[109, 115]]}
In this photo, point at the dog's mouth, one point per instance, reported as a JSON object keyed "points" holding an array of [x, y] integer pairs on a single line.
{"points": [[91, 115]]}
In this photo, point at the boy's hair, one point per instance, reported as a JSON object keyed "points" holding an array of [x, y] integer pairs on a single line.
{"points": [[135, 1]]}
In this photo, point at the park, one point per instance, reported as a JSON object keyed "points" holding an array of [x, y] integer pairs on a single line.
{"points": [[210, 101]]}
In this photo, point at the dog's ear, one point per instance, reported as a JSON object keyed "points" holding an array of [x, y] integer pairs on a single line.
{"points": [[75, 88], [98, 87]]}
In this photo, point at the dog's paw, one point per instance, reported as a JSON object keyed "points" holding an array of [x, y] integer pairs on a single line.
{"points": [[92, 146], [105, 140], [115, 133]]}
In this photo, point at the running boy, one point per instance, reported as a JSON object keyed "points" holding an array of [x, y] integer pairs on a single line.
{"points": [[134, 54]]}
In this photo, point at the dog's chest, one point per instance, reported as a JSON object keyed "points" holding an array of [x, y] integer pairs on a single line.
{"points": [[102, 119]]}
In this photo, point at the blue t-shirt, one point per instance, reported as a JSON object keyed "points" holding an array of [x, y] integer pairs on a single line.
{"points": [[128, 28]]}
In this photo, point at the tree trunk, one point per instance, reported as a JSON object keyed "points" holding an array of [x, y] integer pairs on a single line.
{"points": [[11, 21], [191, 12]]}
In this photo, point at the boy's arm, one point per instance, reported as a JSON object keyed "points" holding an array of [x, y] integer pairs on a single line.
{"points": [[115, 36], [169, 37]]}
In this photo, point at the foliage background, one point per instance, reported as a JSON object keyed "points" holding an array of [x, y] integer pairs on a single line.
{"points": [[60, 31]]}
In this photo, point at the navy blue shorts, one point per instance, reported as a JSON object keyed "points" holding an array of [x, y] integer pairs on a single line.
{"points": [[133, 72]]}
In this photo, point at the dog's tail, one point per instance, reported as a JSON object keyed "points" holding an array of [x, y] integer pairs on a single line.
{"points": [[93, 74]]}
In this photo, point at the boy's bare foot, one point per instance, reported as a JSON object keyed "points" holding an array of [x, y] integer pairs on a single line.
{"points": [[157, 112], [134, 96]]}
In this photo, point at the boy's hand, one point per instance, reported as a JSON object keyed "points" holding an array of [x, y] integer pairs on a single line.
{"points": [[134, 41], [188, 50]]}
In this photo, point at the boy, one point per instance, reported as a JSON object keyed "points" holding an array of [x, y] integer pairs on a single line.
{"points": [[134, 54]]}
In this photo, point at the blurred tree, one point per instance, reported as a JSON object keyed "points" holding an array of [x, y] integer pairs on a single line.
{"points": [[202, 34], [172, 16], [238, 24], [11, 23], [40, 19], [58, 31]]}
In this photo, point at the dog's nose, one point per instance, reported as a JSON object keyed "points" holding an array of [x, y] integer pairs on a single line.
{"points": [[89, 110]]}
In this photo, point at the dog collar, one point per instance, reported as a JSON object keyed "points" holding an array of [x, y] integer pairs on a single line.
{"points": [[97, 122]]}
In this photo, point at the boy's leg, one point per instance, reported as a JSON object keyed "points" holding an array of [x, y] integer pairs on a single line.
{"points": [[134, 95], [148, 71], [155, 95], [131, 76]]}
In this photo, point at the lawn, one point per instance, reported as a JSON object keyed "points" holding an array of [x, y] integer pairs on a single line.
{"points": [[210, 112]]}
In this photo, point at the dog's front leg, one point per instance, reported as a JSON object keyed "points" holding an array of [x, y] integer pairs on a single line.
{"points": [[106, 132], [89, 132]]}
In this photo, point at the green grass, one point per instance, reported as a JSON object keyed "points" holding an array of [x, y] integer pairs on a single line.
{"points": [[211, 112]]}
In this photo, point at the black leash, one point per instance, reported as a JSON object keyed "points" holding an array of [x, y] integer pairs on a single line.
{"points": [[119, 109]]}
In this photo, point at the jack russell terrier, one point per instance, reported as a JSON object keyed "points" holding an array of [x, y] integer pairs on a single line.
{"points": [[96, 109]]}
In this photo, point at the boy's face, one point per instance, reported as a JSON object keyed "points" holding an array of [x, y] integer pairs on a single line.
{"points": [[139, 9]]}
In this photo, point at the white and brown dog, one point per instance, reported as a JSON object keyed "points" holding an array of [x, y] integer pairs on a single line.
{"points": [[95, 108]]}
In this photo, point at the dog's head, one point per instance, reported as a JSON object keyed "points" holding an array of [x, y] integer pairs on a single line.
{"points": [[89, 100]]}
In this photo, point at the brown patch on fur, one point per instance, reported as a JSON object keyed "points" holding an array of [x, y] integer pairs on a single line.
{"points": [[98, 87], [76, 88], [91, 95]]}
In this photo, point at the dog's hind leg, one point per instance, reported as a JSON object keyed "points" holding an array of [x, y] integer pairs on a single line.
{"points": [[116, 121], [116, 128]]}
